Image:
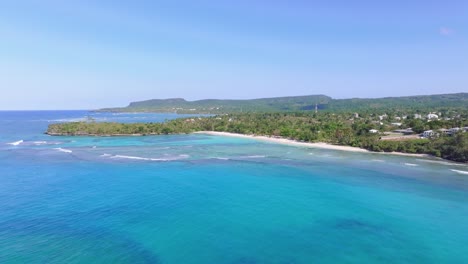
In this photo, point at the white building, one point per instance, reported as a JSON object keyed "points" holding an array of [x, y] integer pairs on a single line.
{"points": [[432, 116], [382, 117], [454, 130], [444, 131], [373, 131], [428, 133], [417, 116]]}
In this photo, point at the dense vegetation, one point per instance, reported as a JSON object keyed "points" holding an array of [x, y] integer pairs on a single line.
{"points": [[293, 103], [303, 126], [423, 103]]}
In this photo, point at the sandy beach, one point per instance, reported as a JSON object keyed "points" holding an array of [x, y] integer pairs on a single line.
{"points": [[290, 142]]}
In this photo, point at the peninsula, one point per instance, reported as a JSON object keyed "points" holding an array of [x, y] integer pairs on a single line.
{"points": [[394, 131]]}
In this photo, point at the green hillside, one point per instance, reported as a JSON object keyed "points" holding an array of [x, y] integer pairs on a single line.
{"points": [[299, 103], [293, 103], [422, 102]]}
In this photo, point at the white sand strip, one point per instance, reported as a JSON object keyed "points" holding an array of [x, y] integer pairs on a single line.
{"points": [[290, 142]]}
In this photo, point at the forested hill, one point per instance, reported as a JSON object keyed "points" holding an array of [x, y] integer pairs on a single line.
{"points": [[293, 103], [429, 102], [298, 103]]}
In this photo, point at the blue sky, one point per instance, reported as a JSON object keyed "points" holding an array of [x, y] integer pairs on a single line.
{"points": [[92, 54]]}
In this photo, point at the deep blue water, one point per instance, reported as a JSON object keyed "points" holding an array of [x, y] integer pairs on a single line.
{"points": [[210, 199]]}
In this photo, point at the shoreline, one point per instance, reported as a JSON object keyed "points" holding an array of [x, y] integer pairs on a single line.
{"points": [[275, 140], [322, 145]]}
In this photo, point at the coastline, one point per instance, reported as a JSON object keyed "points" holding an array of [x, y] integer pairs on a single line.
{"points": [[276, 140], [322, 145]]}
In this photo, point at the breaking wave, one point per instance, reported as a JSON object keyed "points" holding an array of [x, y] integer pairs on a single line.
{"points": [[63, 150], [182, 156], [16, 143], [460, 172], [441, 162]]}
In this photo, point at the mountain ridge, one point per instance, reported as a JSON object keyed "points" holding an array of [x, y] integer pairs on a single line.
{"points": [[294, 103]]}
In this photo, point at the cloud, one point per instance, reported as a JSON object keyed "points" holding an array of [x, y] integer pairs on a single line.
{"points": [[445, 31]]}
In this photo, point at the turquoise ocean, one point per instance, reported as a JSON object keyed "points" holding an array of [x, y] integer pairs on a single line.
{"points": [[211, 199]]}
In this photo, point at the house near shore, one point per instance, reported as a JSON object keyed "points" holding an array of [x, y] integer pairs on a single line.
{"points": [[373, 131], [428, 134], [382, 117], [407, 131], [432, 116], [452, 131], [444, 131]]}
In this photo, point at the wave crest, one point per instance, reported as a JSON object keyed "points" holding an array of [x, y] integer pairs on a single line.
{"points": [[181, 156], [460, 172], [16, 143], [63, 150]]}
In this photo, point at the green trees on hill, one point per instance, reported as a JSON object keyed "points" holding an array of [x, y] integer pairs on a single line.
{"points": [[425, 103]]}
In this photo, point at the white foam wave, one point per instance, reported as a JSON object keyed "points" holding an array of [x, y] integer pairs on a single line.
{"points": [[63, 150], [220, 158], [441, 162], [255, 156], [377, 160], [129, 157], [16, 143], [38, 143], [182, 156], [411, 164], [460, 172]]}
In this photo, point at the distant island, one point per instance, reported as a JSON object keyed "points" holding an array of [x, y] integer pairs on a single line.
{"points": [[434, 125]]}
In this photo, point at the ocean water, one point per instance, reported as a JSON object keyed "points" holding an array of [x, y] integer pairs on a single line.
{"points": [[211, 199]]}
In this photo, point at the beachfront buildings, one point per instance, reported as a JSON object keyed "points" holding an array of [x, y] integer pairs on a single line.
{"points": [[452, 131], [428, 134]]}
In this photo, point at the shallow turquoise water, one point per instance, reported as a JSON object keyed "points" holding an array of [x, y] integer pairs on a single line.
{"points": [[207, 199]]}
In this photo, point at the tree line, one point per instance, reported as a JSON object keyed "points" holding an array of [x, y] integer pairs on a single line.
{"points": [[331, 128]]}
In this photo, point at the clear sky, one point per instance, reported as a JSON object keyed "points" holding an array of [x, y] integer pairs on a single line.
{"points": [[93, 54]]}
